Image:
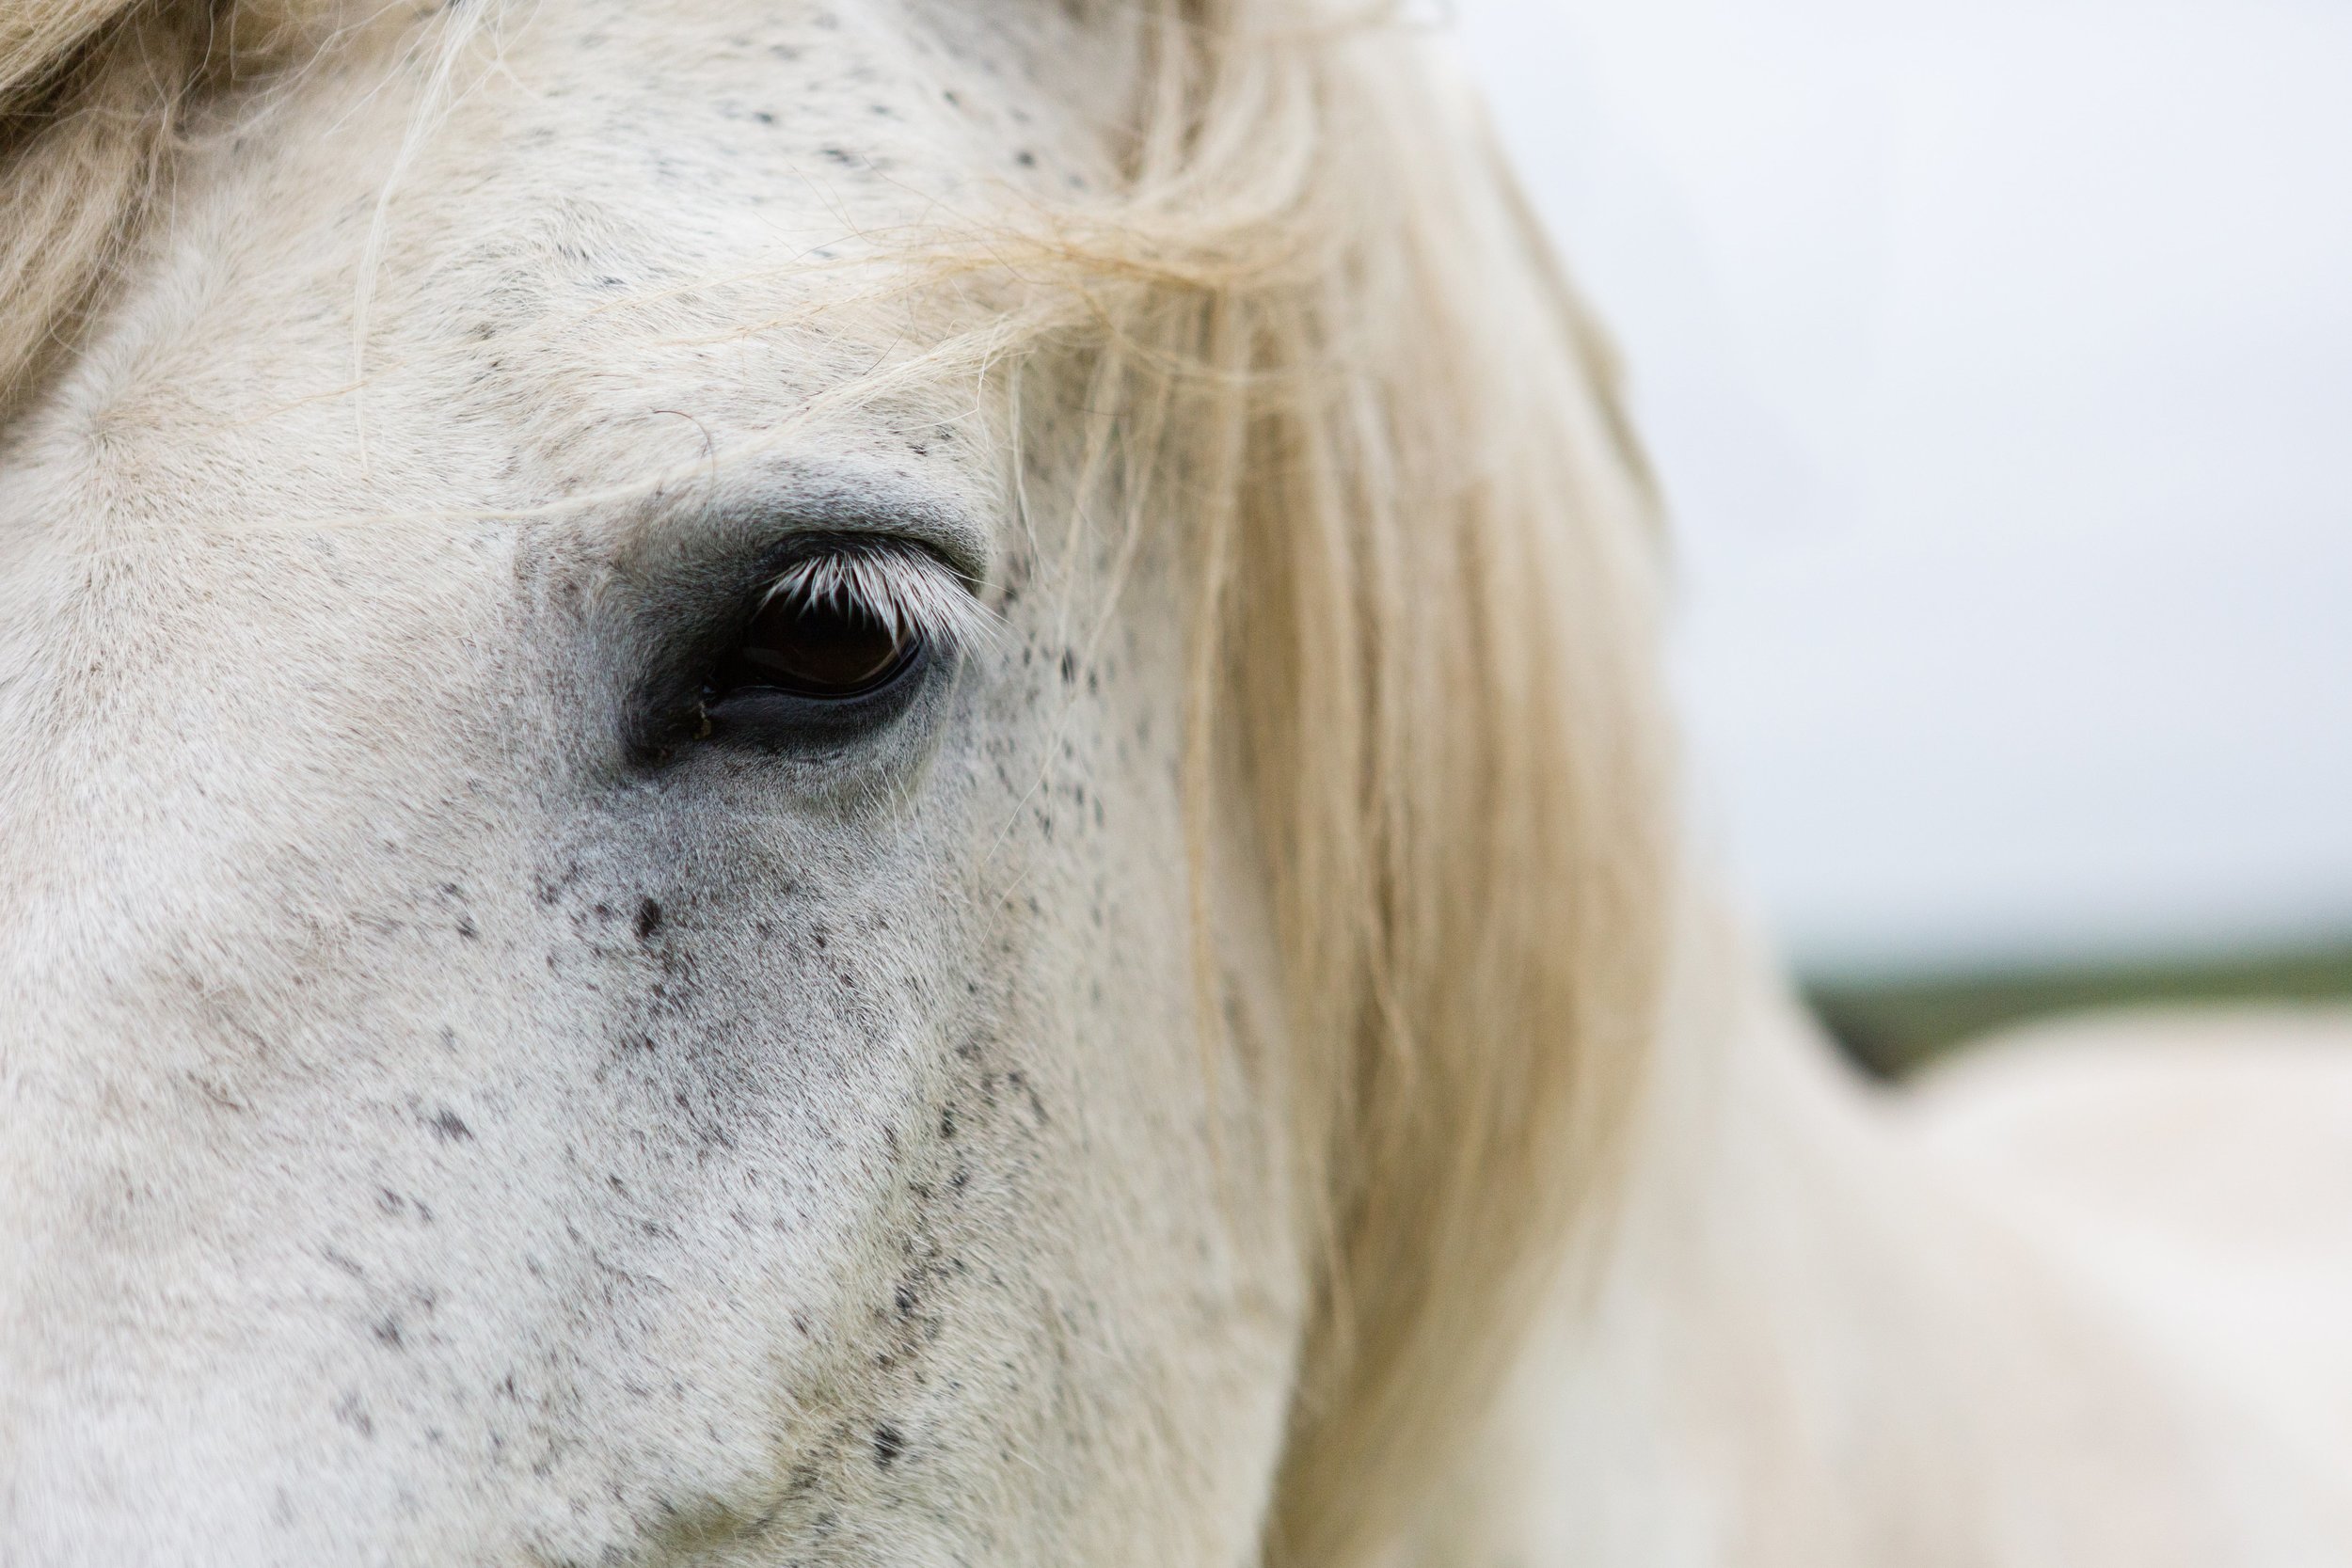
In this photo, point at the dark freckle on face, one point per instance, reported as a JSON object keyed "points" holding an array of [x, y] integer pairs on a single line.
{"points": [[448, 1127], [763, 117], [888, 1445], [466, 929], [354, 1414], [1025, 159], [1020, 1080], [649, 919], [1070, 666]]}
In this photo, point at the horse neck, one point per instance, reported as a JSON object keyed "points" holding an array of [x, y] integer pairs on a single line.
{"points": [[1802, 1342]]}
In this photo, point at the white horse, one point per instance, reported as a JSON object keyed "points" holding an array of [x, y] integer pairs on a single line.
{"points": [[877, 782]]}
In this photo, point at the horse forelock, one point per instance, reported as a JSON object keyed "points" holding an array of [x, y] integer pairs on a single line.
{"points": [[1352, 384]]}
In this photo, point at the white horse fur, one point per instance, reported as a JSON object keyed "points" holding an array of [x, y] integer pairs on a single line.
{"points": [[1226, 1074]]}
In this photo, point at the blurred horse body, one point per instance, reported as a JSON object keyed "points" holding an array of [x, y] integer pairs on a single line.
{"points": [[1170, 1032], [2072, 1295]]}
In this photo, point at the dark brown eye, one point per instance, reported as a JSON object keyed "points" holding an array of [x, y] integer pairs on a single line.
{"points": [[832, 647]]}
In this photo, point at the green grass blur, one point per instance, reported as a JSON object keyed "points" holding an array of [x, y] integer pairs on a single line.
{"points": [[1894, 1024]]}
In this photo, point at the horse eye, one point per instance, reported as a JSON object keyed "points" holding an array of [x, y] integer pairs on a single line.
{"points": [[830, 648]]}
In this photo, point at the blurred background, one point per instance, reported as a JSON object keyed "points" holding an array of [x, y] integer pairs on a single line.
{"points": [[1997, 358]]}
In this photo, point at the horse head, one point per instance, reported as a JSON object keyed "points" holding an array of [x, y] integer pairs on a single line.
{"points": [[816, 783]]}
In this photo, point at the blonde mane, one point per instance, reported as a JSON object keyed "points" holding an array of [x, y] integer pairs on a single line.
{"points": [[1426, 581]]}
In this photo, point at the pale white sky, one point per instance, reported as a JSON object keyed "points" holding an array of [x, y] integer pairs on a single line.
{"points": [[1997, 357]]}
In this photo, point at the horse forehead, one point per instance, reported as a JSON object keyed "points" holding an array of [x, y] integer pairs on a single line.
{"points": [[646, 171], [615, 238]]}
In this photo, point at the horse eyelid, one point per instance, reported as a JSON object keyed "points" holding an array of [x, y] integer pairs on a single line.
{"points": [[903, 585]]}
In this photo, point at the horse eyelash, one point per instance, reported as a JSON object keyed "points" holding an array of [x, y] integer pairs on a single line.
{"points": [[905, 587]]}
